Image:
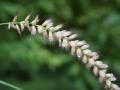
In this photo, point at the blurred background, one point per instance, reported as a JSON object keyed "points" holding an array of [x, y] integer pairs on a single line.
{"points": [[31, 63]]}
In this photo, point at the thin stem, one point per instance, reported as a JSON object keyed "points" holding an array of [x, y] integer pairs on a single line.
{"points": [[10, 85], [4, 23], [13, 23], [8, 23]]}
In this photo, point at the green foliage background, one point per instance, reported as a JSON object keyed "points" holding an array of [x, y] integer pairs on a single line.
{"points": [[33, 64]]}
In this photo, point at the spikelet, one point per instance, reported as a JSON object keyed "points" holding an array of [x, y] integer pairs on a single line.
{"points": [[50, 36], [79, 53], [35, 21], [18, 29], [12, 24], [28, 17], [47, 22], [33, 30], [15, 18], [48, 26], [22, 25], [40, 29], [58, 27], [26, 21], [9, 26], [72, 36], [65, 43]]}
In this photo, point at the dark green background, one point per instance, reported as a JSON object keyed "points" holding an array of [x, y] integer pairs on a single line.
{"points": [[31, 63]]}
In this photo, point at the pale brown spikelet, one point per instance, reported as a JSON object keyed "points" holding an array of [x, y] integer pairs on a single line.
{"points": [[48, 21], [15, 18], [66, 34], [50, 37], [18, 29], [58, 27], [22, 25], [48, 26], [72, 36], [33, 30], [65, 43], [28, 17], [35, 21], [40, 29], [79, 53], [9, 25]]}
